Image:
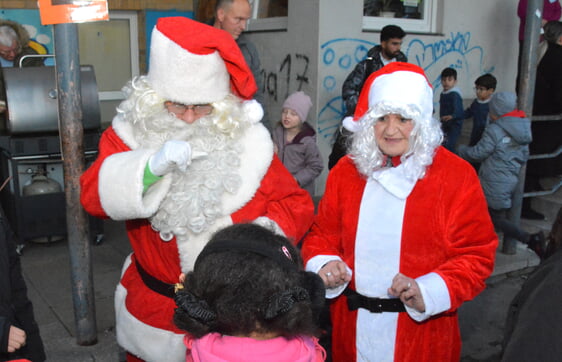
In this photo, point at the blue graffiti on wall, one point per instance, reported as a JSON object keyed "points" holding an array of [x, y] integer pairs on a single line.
{"points": [[341, 55]]}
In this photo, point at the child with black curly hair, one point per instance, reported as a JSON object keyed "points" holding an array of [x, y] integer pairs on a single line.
{"points": [[249, 299]]}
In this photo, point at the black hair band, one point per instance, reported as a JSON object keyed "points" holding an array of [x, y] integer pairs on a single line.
{"points": [[279, 253]]}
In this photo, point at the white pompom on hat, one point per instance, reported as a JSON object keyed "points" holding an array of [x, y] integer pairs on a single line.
{"points": [[194, 63], [399, 88]]}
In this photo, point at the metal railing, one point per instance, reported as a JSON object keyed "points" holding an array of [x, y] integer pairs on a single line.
{"points": [[542, 156]]}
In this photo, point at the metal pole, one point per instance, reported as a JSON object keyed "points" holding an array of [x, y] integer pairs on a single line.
{"points": [[71, 134], [528, 71]]}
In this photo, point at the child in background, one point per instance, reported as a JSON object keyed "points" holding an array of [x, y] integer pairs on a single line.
{"points": [[248, 299], [503, 150], [485, 85], [295, 141], [451, 110]]}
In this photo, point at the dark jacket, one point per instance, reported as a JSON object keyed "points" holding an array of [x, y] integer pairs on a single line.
{"points": [[15, 308], [534, 318], [548, 86], [548, 100], [478, 111], [252, 57], [354, 81]]}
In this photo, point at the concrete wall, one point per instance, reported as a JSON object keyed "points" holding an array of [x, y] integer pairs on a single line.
{"points": [[324, 41]]}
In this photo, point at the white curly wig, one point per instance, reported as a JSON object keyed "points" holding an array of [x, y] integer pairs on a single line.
{"points": [[398, 88]]}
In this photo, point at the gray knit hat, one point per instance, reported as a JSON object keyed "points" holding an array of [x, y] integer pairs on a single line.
{"points": [[502, 103], [300, 103]]}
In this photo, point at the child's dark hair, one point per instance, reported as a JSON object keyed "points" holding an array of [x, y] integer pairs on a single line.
{"points": [[487, 81], [249, 279], [449, 72]]}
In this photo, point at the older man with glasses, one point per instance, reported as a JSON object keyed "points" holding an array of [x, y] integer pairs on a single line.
{"points": [[14, 41], [185, 156]]}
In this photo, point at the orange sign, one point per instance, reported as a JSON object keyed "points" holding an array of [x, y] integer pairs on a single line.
{"points": [[72, 11]]}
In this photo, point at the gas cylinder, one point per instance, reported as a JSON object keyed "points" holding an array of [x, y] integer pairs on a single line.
{"points": [[41, 184]]}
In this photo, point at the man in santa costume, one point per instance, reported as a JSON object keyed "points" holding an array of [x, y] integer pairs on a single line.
{"points": [[402, 236], [185, 156]]}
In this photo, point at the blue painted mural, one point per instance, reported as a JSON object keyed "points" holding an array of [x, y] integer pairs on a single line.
{"points": [[342, 54], [31, 21]]}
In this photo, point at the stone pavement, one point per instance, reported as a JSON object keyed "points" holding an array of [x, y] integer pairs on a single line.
{"points": [[47, 273]]}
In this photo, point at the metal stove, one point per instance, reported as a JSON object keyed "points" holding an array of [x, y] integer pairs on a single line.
{"points": [[30, 147]]}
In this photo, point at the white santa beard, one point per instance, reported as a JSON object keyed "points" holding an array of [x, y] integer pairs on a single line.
{"points": [[194, 201]]}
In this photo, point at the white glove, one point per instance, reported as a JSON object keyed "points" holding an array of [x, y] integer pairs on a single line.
{"points": [[173, 155]]}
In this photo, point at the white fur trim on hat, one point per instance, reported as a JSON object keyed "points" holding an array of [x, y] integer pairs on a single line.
{"points": [[181, 76], [403, 92], [253, 110], [350, 125]]}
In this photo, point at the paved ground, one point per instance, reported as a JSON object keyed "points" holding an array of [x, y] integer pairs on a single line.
{"points": [[47, 272]]}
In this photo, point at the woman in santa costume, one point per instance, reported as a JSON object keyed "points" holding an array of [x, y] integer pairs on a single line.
{"points": [[185, 156], [402, 236]]}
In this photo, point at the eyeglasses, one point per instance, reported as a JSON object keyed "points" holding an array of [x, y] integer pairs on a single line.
{"points": [[14, 50], [179, 108]]}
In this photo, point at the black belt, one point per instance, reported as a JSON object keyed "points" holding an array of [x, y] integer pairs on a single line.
{"points": [[156, 285], [373, 305]]}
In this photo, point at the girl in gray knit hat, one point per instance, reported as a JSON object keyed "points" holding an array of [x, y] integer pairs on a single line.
{"points": [[295, 141]]}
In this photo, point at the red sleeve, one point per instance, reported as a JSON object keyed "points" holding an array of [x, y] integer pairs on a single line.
{"points": [[109, 144], [335, 225], [280, 199], [470, 244]]}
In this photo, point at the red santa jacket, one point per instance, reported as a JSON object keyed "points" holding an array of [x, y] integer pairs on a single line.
{"points": [[112, 187], [446, 230]]}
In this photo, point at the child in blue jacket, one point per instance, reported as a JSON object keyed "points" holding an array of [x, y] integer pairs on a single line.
{"points": [[503, 150], [451, 112]]}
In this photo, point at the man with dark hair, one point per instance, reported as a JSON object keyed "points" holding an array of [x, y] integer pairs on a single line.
{"points": [[232, 16], [377, 57]]}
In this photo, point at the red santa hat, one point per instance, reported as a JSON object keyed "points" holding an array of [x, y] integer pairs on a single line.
{"points": [[194, 63], [399, 88]]}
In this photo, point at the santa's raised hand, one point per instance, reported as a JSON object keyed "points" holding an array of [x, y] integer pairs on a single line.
{"points": [[172, 155]]}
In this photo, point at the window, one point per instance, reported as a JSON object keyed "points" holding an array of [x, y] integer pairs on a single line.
{"points": [[119, 60], [414, 16], [268, 15], [270, 8]]}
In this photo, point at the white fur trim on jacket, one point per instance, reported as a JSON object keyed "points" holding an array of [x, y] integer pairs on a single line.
{"points": [[144, 341], [121, 186]]}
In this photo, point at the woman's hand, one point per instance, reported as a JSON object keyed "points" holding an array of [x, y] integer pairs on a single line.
{"points": [[334, 274], [408, 291]]}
